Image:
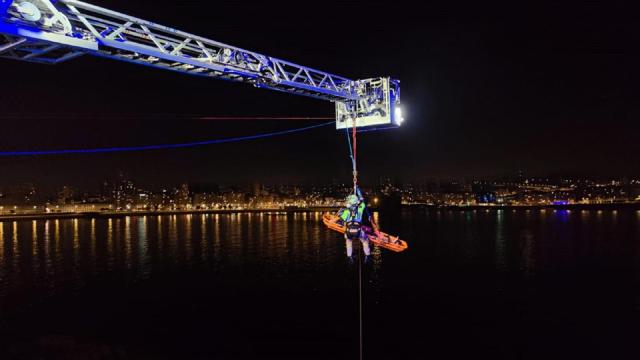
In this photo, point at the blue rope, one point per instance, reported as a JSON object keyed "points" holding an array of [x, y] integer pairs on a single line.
{"points": [[348, 132], [160, 147], [353, 161], [374, 130]]}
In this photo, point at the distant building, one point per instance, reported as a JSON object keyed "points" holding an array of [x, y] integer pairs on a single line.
{"points": [[66, 195], [182, 196], [20, 195]]}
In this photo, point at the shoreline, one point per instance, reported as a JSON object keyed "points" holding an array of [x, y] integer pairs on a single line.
{"points": [[121, 214], [610, 206]]}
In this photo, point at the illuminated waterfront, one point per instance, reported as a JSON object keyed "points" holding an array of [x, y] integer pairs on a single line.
{"points": [[499, 281]]}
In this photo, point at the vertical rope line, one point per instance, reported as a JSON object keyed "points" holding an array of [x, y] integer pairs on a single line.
{"points": [[353, 161], [355, 158], [355, 191], [353, 153], [360, 304]]}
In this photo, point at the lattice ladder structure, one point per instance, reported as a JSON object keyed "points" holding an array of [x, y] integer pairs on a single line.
{"points": [[51, 32]]}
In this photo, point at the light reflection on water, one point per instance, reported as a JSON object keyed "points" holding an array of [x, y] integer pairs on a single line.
{"points": [[49, 255], [53, 253], [1, 242], [509, 270], [501, 240]]}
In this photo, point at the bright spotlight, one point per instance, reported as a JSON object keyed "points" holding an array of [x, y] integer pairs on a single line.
{"points": [[398, 116]]}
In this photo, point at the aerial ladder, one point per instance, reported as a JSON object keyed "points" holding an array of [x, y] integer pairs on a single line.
{"points": [[55, 31]]}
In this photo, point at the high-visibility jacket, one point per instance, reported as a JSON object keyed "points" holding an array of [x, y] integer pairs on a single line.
{"points": [[353, 213]]}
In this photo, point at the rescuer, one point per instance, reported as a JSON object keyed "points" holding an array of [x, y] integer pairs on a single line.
{"points": [[352, 217]]}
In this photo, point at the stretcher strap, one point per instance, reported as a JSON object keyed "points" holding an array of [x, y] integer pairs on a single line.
{"points": [[374, 225]]}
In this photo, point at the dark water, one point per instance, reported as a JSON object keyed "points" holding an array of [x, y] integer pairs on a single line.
{"points": [[495, 284]]}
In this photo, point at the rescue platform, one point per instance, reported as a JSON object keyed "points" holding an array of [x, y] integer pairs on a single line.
{"points": [[382, 239]]}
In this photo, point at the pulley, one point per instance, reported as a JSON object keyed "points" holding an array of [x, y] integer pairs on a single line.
{"points": [[29, 11]]}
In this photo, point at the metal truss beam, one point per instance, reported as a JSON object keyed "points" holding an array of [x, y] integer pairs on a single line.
{"points": [[49, 31], [106, 33]]}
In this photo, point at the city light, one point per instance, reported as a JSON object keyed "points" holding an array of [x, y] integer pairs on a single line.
{"points": [[126, 196]]}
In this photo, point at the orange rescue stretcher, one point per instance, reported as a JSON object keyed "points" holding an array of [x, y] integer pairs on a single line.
{"points": [[393, 243]]}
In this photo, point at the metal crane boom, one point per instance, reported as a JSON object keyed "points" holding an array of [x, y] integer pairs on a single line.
{"points": [[49, 31]]}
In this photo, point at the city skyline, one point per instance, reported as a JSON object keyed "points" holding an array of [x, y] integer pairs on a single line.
{"points": [[125, 194]]}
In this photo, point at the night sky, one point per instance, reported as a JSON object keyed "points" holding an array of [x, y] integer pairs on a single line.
{"points": [[487, 90]]}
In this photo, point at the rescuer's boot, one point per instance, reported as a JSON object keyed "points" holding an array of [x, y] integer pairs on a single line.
{"points": [[351, 260]]}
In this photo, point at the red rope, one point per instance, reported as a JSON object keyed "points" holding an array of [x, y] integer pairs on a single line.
{"points": [[355, 157], [355, 142]]}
